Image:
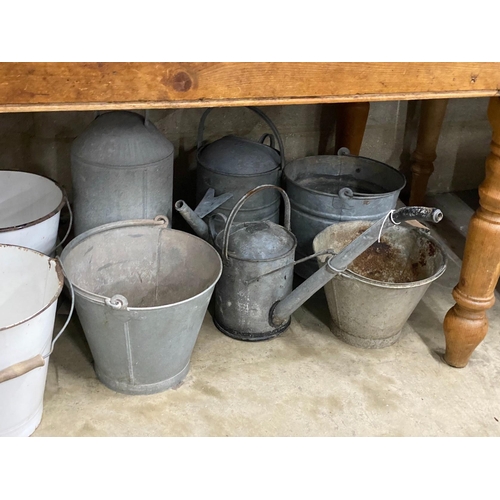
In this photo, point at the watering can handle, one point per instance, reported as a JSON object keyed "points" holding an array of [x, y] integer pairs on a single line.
{"points": [[66, 202], [211, 224], [272, 126], [18, 369], [239, 204]]}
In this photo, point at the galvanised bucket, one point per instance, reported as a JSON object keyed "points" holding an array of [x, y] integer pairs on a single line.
{"points": [[371, 301], [324, 190], [142, 291]]}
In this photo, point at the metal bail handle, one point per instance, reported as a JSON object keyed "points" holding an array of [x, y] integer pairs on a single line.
{"points": [[272, 126], [119, 302], [23, 367], [68, 206], [243, 199]]}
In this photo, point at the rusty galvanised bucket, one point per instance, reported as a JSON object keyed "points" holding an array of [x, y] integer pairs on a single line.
{"points": [[371, 301]]}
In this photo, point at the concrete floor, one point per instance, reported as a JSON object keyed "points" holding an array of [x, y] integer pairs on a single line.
{"points": [[304, 383]]}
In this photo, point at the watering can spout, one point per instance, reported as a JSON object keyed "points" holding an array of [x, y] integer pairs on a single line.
{"points": [[282, 310], [193, 219], [206, 206]]}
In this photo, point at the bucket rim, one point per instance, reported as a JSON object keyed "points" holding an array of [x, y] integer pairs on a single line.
{"points": [[100, 299], [44, 217], [60, 277], [356, 196], [412, 284]]}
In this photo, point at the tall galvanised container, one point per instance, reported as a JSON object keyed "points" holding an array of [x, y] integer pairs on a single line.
{"points": [[236, 165], [327, 189], [122, 169]]}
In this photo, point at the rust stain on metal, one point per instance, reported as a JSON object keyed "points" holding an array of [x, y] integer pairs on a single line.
{"points": [[385, 262]]}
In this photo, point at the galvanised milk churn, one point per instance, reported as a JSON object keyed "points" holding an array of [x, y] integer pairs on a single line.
{"points": [[234, 165], [122, 169], [245, 292]]}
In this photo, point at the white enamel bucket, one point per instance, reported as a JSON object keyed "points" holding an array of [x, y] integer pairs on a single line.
{"points": [[30, 207], [30, 284]]}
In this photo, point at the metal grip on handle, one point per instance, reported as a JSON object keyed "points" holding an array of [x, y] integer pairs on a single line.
{"points": [[23, 367], [272, 126], [416, 213], [242, 200]]}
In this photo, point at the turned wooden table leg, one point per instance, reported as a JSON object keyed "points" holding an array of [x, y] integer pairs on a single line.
{"points": [[422, 160], [465, 325], [350, 123]]}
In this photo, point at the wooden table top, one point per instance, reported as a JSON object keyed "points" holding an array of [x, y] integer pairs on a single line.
{"points": [[95, 86]]}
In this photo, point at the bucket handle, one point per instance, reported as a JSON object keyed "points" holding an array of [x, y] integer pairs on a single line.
{"points": [[18, 369], [272, 126], [68, 206], [242, 200]]}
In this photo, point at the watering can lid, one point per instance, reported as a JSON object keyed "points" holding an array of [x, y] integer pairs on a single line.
{"points": [[121, 138], [258, 240], [239, 156]]}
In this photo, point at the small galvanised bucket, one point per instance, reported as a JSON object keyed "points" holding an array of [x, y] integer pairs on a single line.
{"points": [[141, 293], [371, 301]]}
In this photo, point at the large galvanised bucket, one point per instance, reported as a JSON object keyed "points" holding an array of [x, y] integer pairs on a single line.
{"points": [[324, 190], [142, 291], [371, 301], [30, 208], [30, 284]]}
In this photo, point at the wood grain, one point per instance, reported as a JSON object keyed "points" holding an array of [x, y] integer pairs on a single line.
{"points": [[422, 160], [86, 86], [466, 324]]}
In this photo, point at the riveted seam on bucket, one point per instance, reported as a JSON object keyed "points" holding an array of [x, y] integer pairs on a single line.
{"points": [[51, 214], [52, 300], [128, 346]]}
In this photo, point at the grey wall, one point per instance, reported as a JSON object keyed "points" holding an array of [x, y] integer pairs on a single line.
{"points": [[40, 142]]}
